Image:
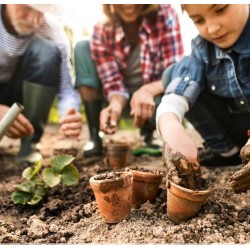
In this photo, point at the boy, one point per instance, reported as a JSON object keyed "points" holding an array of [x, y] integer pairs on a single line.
{"points": [[211, 87]]}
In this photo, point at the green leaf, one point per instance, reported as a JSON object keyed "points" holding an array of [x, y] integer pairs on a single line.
{"points": [[27, 187], [37, 167], [27, 173], [50, 177], [70, 175], [30, 192], [59, 162], [35, 199], [19, 197], [41, 190]]}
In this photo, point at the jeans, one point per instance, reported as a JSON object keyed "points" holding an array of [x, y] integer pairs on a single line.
{"points": [[40, 65], [220, 129], [87, 75]]}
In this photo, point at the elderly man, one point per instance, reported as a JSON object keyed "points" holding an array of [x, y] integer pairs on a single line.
{"points": [[34, 67]]}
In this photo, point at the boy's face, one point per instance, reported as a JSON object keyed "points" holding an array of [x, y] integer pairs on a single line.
{"points": [[220, 24]]}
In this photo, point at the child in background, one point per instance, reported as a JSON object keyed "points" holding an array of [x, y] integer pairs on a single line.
{"points": [[211, 87]]}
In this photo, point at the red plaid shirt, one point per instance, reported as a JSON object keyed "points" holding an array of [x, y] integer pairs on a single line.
{"points": [[161, 45]]}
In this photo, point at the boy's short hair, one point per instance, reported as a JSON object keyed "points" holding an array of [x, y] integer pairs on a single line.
{"points": [[149, 9]]}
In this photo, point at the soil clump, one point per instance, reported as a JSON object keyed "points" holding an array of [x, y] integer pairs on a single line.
{"points": [[69, 215]]}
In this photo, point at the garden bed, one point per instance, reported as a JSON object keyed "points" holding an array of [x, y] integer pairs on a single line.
{"points": [[69, 215]]}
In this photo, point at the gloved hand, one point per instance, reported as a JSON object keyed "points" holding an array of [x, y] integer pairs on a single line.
{"points": [[240, 180]]}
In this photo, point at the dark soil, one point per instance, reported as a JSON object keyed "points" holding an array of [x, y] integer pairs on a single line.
{"points": [[69, 215], [107, 176], [146, 170]]}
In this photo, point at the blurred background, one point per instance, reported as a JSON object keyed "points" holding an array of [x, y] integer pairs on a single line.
{"points": [[79, 19]]}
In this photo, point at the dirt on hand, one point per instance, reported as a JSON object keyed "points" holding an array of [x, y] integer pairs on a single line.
{"points": [[240, 180], [188, 177], [69, 215]]}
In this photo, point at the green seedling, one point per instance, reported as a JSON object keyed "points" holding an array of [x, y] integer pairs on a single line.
{"points": [[37, 185]]}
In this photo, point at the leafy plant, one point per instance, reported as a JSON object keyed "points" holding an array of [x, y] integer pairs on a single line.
{"points": [[36, 186]]}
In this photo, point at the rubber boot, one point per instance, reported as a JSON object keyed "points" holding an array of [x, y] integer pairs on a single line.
{"points": [[147, 134], [37, 101], [92, 110]]}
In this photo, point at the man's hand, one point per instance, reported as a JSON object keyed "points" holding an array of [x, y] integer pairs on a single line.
{"points": [[71, 124], [142, 106], [20, 127]]}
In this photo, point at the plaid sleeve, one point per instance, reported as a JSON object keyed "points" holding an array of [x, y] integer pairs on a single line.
{"points": [[103, 56], [172, 46]]}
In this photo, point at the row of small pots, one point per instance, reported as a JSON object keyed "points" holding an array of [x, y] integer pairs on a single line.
{"points": [[116, 193]]}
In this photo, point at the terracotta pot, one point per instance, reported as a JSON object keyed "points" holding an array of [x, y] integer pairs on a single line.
{"points": [[118, 154], [183, 203], [113, 195], [145, 186]]}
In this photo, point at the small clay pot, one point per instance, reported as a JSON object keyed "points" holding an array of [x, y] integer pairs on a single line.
{"points": [[145, 185], [118, 154], [113, 194], [182, 203]]}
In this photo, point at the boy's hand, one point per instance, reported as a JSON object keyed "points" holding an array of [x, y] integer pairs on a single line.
{"points": [[179, 169], [177, 138], [240, 180], [245, 152], [179, 152], [20, 127], [71, 124]]}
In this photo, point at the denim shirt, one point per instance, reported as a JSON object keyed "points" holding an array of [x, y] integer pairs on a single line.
{"points": [[225, 73]]}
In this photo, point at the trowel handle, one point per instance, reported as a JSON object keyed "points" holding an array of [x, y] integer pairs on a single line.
{"points": [[9, 117]]}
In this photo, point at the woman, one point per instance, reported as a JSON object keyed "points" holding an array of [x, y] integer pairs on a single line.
{"points": [[130, 50]]}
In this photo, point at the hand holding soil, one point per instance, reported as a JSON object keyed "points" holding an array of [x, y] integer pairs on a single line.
{"points": [[240, 181], [245, 153], [181, 171]]}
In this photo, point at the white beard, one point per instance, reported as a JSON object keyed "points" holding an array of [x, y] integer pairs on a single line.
{"points": [[23, 28]]}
